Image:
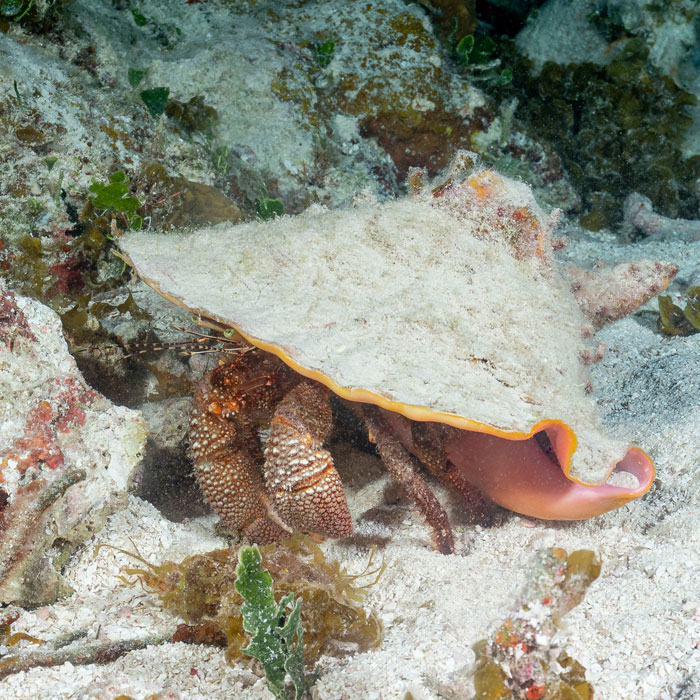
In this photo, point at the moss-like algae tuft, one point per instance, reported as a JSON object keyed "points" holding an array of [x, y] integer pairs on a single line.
{"points": [[201, 589]]}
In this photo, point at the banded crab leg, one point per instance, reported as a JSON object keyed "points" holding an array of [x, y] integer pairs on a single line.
{"points": [[403, 467]]}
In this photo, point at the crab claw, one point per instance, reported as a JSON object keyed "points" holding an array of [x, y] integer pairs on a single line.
{"points": [[303, 485], [229, 478]]}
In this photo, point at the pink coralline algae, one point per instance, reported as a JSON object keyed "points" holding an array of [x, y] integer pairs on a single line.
{"points": [[13, 322], [59, 414]]}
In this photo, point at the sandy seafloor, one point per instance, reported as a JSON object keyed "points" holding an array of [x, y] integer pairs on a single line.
{"points": [[637, 632]]}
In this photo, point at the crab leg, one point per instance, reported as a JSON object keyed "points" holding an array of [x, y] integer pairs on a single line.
{"points": [[303, 485], [428, 444], [403, 468], [226, 448], [229, 476]]}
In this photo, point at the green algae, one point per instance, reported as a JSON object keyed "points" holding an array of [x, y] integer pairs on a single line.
{"points": [[155, 100], [268, 208], [201, 589], [33, 16], [115, 196], [324, 52], [277, 637]]}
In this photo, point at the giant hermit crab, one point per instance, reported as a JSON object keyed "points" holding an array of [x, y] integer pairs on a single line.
{"points": [[293, 485], [443, 317]]}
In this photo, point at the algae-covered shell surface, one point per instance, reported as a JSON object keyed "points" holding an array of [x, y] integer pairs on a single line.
{"points": [[443, 306]]}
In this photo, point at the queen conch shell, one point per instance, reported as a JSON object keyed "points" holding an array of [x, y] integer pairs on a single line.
{"points": [[445, 306]]}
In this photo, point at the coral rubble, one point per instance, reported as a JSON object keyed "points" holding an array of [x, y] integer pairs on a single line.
{"points": [[67, 453], [640, 217], [607, 294], [522, 658]]}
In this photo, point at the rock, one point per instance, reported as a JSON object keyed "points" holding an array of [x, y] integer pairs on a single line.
{"points": [[67, 454]]}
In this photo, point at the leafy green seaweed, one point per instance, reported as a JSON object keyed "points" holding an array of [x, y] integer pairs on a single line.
{"points": [[324, 52], [277, 636], [475, 50], [155, 100], [115, 195], [268, 208], [15, 9], [136, 75]]}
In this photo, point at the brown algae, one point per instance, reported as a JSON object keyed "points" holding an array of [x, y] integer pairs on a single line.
{"points": [[201, 589]]}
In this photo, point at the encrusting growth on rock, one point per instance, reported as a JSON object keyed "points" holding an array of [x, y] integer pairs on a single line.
{"points": [[522, 658], [58, 482], [607, 294]]}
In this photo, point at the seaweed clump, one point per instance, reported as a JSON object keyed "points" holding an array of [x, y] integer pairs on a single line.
{"points": [[676, 321], [519, 660], [201, 589], [618, 128], [36, 16]]}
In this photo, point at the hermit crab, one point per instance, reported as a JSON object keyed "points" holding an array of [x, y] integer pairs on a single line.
{"points": [[442, 317]]}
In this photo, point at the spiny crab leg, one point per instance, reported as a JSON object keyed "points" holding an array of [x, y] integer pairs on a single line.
{"points": [[298, 487], [403, 467], [224, 454], [302, 483]]}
